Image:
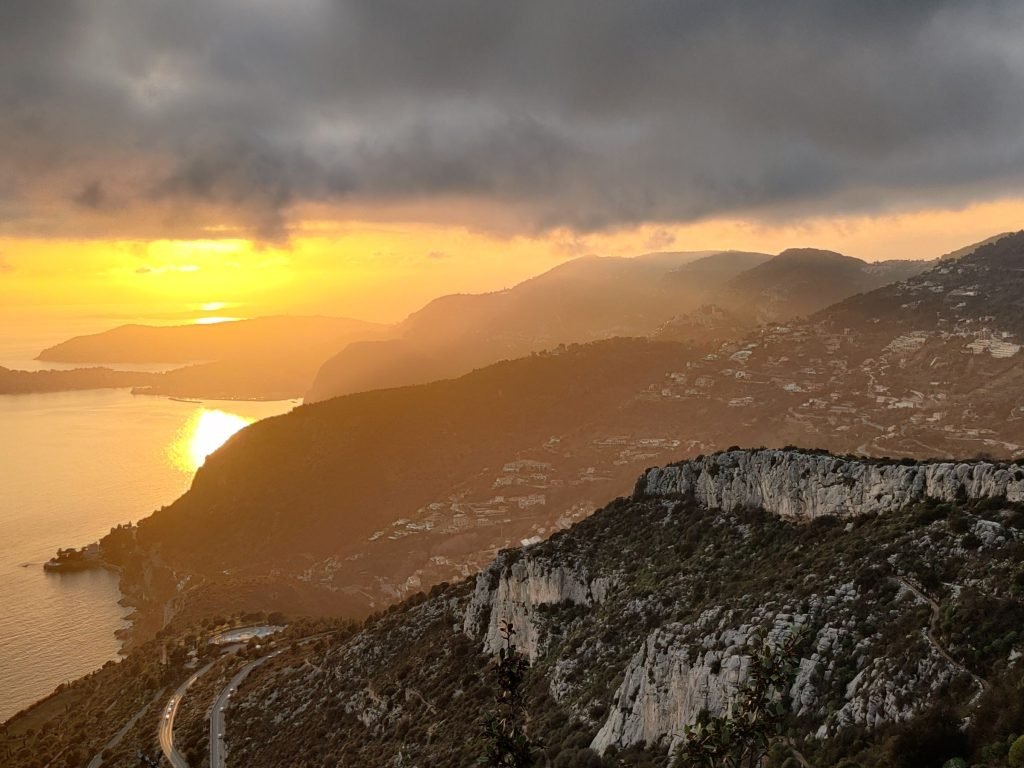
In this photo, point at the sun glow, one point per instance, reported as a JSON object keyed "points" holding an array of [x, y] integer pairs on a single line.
{"points": [[205, 431], [383, 270], [214, 320]]}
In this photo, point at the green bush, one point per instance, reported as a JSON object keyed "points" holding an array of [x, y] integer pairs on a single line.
{"points": [[1016, 756]]}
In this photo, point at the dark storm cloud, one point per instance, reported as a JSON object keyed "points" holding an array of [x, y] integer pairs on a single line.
{"points": [[582, 113], [92, 196]]}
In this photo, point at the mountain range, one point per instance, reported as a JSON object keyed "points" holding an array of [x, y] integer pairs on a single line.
{"points": [[361, 500], [661, 295], [595, 298]]}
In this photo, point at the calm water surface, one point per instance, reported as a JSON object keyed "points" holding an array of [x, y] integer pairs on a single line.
{"points": [[72, 465]]}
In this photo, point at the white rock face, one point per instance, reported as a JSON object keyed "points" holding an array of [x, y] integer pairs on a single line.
{"points": [[800, 486], [670, 680], [680, 670], [665, 688], [513, 593]]}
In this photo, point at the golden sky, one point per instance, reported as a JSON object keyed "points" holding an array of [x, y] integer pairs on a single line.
{"points": [[383, 271], [362, 158]]}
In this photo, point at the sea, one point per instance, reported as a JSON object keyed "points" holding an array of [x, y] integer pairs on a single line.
{"points": [[72, 466]]}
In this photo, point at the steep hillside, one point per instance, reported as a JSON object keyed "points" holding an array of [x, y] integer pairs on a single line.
{"points": [[707, 327], [916, 368], [906, 588], [967, 249], [369, 495], [973, 296], [582, 300]]}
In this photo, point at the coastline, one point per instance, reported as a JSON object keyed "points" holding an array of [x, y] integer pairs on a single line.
{"points": [[148, 614], [116, 446], [72, 560]]}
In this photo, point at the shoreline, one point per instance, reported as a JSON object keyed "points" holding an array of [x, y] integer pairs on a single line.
{"points": [[52, 566], [76, 560]]}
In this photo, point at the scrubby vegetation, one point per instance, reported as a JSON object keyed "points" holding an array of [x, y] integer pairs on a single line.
{"points": [[410, 688]]}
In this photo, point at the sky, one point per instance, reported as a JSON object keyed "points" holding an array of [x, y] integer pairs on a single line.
{"points": [[360, 157]]}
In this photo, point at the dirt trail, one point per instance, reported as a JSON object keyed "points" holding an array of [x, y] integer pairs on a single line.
{"points": [[931, 633]]}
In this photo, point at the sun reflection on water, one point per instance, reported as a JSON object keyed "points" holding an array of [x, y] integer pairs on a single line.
{"points": [[205, 431]]}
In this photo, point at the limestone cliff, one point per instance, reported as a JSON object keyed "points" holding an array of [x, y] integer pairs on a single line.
{"points": [[798, 485], [512, 592]]}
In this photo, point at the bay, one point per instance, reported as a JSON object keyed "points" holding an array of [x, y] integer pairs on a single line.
{"points": [[73, 465]]}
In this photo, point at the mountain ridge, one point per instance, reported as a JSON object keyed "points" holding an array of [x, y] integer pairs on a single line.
{"points": [[590, 298], [632, 633]]}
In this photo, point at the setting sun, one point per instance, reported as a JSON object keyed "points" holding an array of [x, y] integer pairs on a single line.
{"points": [[214, 320]]}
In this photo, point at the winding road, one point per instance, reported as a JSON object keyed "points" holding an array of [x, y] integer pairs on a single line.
{"points": [[166, 732], [218, 749]]}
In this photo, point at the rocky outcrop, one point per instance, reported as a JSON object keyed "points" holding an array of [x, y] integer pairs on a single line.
{"points": [[801, 486], [512, 592], [666, 685], [680, 671]]}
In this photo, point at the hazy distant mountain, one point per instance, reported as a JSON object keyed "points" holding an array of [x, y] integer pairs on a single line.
{"points": [[717, 269], [801, 281], [582, 300], [594, 298], [263, 358], [217, 341]]}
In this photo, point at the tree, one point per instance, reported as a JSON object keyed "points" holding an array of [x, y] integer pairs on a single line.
{"points": [[742, 737], [508, 745]]}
